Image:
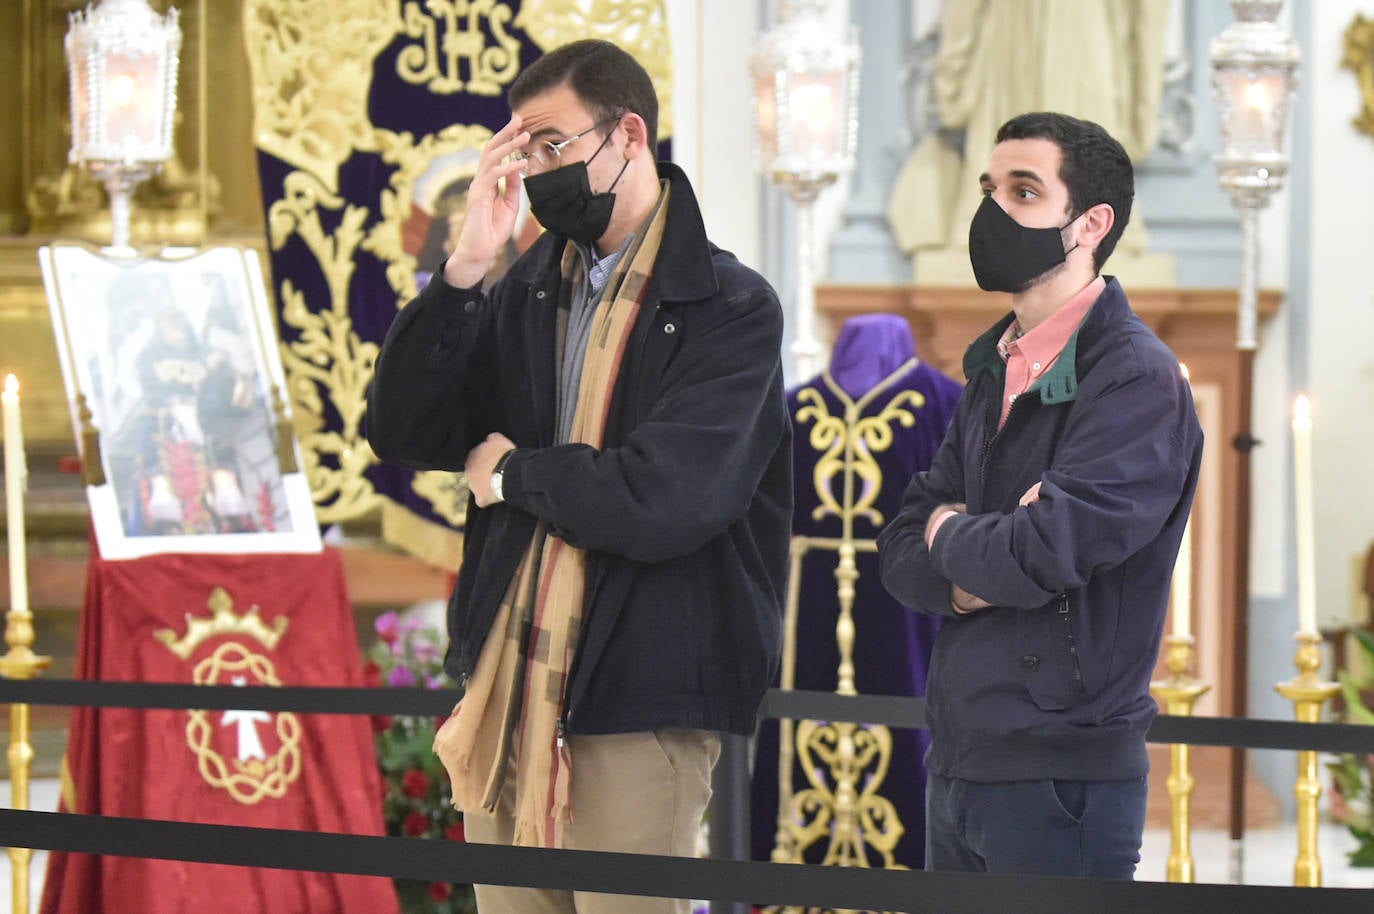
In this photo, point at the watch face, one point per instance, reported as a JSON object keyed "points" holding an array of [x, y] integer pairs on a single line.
{"points": [[496, 479]]}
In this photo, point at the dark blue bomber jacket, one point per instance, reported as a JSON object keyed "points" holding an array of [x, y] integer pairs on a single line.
{"points": [[684, 513], [1052, 681]]}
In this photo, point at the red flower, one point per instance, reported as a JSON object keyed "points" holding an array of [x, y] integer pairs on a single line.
{"points": [[381, 723], [415, 784], [416, 824], [455, 832], [440, 891], [372, 674]]}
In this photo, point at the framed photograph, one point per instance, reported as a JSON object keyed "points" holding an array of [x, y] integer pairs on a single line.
{"points": [[176, 358]]}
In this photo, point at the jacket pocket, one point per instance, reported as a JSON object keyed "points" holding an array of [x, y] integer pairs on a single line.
{"points": [[1048, 661]]}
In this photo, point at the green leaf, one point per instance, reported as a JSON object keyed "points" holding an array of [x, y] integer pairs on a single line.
{"points": [[1355, 708], [1364, 854], [1366, 639]]}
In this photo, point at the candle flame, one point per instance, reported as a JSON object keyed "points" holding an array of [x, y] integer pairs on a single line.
{"points": [[1257, 96], [1302, 410], [11, 385]]}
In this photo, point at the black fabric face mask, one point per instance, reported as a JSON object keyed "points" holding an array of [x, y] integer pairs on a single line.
{"points": [[563, 202], [1007, 256]]}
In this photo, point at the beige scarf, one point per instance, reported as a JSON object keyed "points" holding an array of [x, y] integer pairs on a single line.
{"points": [[516, 690]]}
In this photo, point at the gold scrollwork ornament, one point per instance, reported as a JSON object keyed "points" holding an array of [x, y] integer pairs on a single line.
{"points": [[328, 354], [312, 67], [1359, 57], [436, 61], [857, 440]]}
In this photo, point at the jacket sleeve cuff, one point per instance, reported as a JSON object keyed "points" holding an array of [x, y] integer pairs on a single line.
{"points": [[512, 479], [467, 301], [939, 544]]}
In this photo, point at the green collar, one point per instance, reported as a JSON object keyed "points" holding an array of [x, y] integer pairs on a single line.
{"points": [[1058, 385]]}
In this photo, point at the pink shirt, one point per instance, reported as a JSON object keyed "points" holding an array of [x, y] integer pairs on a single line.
{"points": [[1030, 355]]}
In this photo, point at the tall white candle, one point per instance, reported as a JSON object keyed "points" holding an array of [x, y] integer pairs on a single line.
{"points": [[1181, 588], [1302, 484], [16, 476]]}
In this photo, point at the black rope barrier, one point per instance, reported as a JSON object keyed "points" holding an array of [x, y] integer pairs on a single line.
{"points": [[832, 887], [889, 710]]}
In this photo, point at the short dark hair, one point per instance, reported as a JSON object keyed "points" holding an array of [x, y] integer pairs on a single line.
{"points": [[606, 78], [1093, 165]]}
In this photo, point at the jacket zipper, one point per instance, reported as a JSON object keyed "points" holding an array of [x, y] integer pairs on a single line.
{"points": [[1068, 636]]}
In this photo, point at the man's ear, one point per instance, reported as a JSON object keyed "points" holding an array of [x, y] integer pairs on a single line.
{"points": [[636, 134], [1097, 222]]}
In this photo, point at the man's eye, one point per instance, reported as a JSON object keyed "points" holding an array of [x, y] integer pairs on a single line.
{"points": [[1025, 193], [987, 191]]}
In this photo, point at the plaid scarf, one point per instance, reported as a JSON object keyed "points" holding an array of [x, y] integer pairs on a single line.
{"points": [[514, 698]]}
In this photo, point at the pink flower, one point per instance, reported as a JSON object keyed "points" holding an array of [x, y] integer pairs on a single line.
{"points": [[426, 652], [388, 627], [401, 677]]}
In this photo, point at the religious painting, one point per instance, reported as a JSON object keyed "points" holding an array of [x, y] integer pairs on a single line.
{"points": [[439, 201], [175, 359]]}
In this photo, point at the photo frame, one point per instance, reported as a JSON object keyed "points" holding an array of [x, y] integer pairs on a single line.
{"points": [[176, 359]]}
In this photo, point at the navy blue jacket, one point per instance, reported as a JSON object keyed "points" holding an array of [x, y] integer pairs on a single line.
{"points": [[1052, 681], [685, 511]]}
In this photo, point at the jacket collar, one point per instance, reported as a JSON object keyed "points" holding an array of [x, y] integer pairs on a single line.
{"points": [[1060, 383], [684, 270]]}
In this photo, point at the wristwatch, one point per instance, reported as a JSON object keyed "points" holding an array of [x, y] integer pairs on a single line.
{"points": [[498, 473]]}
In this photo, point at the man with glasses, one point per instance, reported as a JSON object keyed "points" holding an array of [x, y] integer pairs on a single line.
{"points": [[617, 404]]}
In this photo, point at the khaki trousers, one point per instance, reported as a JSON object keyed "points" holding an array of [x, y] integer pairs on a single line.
{"points": [[638, 793]]}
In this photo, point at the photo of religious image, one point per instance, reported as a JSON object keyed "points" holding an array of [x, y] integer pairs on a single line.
{"points": [[176, 359], [438, 204]]}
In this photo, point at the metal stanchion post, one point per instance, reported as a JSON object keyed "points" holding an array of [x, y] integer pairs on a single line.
{"points": [[729, 812]]}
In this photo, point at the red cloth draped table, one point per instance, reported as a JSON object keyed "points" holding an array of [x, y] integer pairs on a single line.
{"points": [[280, 620]]}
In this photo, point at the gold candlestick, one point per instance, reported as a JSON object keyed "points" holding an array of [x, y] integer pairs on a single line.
{"points": [[1308, 693], [20, 662], [1178, 693]]}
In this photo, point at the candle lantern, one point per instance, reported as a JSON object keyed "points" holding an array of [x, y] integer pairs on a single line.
{"points": [[806, 110], [122, 66]]}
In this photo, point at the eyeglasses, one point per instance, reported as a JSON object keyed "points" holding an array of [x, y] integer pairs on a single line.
{"points": [[547, 156]]}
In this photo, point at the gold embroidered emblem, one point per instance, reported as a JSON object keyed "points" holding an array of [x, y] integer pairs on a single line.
{"points": [[266, 755]]}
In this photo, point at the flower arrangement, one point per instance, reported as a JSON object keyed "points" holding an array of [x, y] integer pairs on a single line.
{"points": [[418, 801], [1352, 776]]}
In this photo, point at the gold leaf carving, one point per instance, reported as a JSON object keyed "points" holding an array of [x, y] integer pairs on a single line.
{"points": [[638, 26], [328, 354], [312, 71], [1359, 57]]}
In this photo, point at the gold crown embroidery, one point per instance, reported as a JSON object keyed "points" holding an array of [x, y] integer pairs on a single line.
{"points": [[223, 621]]}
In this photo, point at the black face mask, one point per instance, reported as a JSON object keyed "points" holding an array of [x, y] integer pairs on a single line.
{"points": [[1007, 256], [563, 202]]}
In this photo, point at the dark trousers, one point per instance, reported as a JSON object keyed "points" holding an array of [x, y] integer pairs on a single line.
{"points": [[1045, 828]]}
